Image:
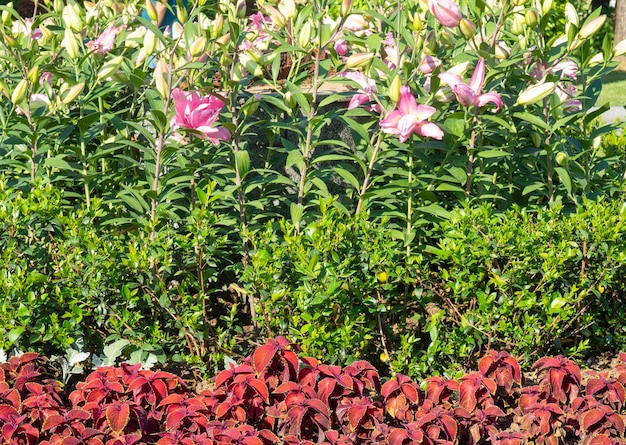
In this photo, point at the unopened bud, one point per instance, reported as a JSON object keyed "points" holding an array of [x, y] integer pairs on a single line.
{"points": [[110, 67], [536, 137], [218, 25], [596, 59], [518, 24], [19, 93], [562, 158], [417, 23], [275, 16], [571, 15], [198, 47], [346, 7], [535, 93], [591, 27], [394, 89], [620, 49], [467, 27], [58, 5], [241, 8], [531, 18], [305, 34], [72, 93], [33, 74], [6, 15], [290, 101], [287, 8], [359, 59], [70, 43], [181, 12], [160, 78], [71, 17], [546, 6], [45, 32], [501, 52], [149, 42], [151, 10], [10, 41]]}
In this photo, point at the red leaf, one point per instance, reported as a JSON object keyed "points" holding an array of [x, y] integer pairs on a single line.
{"points": [[261, 389], [262, 356], [600, 439], [355, 414], [52, 421], [450, 427], [590, 418], [117, 415], [398, 436]]}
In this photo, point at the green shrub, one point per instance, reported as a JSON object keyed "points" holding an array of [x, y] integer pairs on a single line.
{"points": [[527, 282]]}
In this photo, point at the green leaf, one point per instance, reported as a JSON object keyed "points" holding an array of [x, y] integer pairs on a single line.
{"points": [[14, 334], [296, 211], [242, 161], [565, 178], [495, 153], [532, 119]]}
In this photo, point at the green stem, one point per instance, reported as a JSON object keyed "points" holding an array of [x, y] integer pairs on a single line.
{"points": [[370, 169], [409, 211]]}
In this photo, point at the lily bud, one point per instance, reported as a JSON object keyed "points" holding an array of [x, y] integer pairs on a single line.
{"points": [[359, 59], [619, 49], [305, 34], [531, 18], [110, 67], [218, 25], [10, 41], [417, 23], [6, 15], [68, 95], [596, 59], [536, 139], [290, 101], [160, 80], [501, 52], [275, 16], [447, 12], [467, 27], [241, 9], [518, 24], [181, 12], [394, 89], [33, 74], [346, 7], [571, 15], [46, 33], [149, 42], [58, 5], [19, 93], [591, 27], [70, 43], [535, 93], [287, 8], [546, 6], [198, 47], [151, 10], [71, 17]]}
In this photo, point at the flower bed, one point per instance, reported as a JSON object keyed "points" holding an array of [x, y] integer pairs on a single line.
{"points": [[277, 396]]}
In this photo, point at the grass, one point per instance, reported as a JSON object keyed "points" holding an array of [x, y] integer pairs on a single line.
{"points": [[614, 87]]}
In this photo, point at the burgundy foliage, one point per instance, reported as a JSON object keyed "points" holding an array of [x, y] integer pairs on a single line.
{"points": [[277, 397]]}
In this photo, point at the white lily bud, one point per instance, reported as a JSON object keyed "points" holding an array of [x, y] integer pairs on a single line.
{"points": [[535, 93], [69, 94]]}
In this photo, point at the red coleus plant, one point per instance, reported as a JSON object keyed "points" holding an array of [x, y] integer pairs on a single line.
{"points": [[502, 368], [559, 376], [401, 397], [274, 397], [609, 390], [476, 391]]}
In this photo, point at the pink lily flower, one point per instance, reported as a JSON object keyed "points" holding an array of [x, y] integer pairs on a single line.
{"points": [[194, 112], [368, 88], [105, 41], [470, 94], [410, 117], [447, 12]]}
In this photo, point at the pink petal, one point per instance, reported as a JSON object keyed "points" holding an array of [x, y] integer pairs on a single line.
{"points": [[407, 103], [428, 129], [478, 77], [464, 94], [447, 12], [486, 98], [451, 79]]}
